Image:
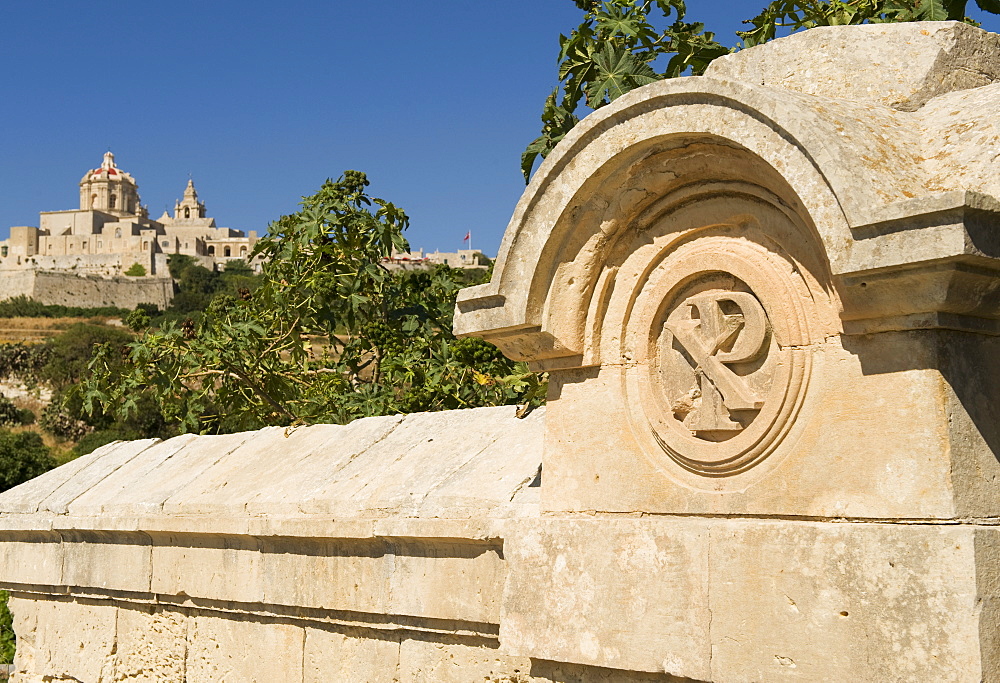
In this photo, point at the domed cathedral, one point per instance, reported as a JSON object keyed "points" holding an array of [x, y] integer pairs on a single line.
{"points": [[112, 231], [111, 190]]}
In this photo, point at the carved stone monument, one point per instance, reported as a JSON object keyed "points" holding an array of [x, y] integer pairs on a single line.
{"points": [[768, 300]]}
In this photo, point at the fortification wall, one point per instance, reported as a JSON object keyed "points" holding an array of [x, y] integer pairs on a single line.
{"points": [[102, 265], [69, 289]]}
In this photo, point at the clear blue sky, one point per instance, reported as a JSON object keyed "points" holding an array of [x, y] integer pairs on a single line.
{"points": [[261, 101]]}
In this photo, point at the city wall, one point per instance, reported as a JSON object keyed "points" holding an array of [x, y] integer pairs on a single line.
{"points": [[768, 300], [69, 289]]}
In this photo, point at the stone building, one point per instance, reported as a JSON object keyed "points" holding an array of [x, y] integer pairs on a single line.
{"points": [[463, 258], [112, 230]]}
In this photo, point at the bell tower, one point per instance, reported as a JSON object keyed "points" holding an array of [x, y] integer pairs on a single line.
{"points": [[189, 207]]}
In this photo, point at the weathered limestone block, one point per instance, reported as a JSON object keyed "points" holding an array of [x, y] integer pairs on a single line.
{"points": [[64, 639], [632, 592], [741, 600], [912, 66], [244, 649], [333, 655], [151, 645]]}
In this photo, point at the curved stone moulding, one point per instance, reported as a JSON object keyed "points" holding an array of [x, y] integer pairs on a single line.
{"points": [[670, 148], [864, 178]]}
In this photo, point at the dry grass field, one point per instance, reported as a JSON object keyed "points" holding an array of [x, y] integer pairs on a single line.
{"points": [[37, 330]]}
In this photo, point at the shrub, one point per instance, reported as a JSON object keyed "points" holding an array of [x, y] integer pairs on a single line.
{"points": [[23, 456], [136, 270], [10, 416], [23, 307], [59, 421], [6, 631]]}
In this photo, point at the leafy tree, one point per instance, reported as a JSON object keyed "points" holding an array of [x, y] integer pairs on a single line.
{"points": [[68, 355], [23, 456], [136, 270], [197, 285], [618, 45], [23, 362], [328, 335], [802, 14], [613, 51]]}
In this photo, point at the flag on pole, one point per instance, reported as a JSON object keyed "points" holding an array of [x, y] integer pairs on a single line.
{"points": [[468, 236]]}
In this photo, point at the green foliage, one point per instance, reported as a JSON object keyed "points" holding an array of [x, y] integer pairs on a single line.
{"points": [[60, 418], [617, 46], [69, 354], [23, 307], [23, 456], [328, 335], [197, 285], [23, 362], [138, 320], [802, 14], [614, 50], [7, 638], [11, 416], [136, 270]]}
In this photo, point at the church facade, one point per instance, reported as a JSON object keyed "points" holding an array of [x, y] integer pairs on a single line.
{"points": [[112, 231]]}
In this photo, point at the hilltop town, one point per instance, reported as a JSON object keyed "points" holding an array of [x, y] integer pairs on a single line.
{"points": [[81, 256], [109, 252]]}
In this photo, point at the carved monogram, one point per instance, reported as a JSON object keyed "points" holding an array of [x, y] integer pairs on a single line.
{"points": [[715, 353], [716, 329]]}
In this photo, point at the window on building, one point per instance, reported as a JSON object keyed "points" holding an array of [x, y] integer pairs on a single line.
{"points": [[145, 245], [185, 245], [131, 206], [446, 261], [118, 232], [84, 246], [164, 243], [187, 212], [243, 251], [3, 252], [229, 252], [100, 244], [211, 251], [112, 200]]}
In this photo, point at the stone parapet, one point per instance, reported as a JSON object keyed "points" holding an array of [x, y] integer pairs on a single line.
{"points": [[185, 544]]}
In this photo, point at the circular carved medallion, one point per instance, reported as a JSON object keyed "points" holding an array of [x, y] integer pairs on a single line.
{"points": [[718, 336]]}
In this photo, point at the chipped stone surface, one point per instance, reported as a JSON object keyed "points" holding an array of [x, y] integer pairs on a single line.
{"points": [[151, 645], [902, 66]]}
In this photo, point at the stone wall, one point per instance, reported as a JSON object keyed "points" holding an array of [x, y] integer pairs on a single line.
{"points": [[371, 551], [68, 289]]}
